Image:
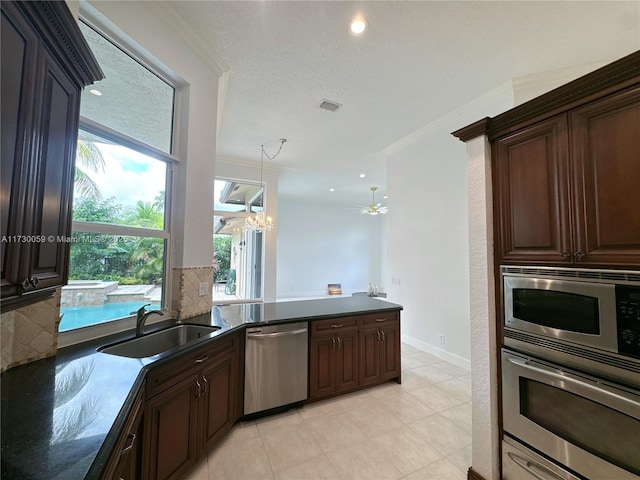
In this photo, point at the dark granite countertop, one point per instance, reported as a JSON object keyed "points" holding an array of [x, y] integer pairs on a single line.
{"points": [[61, 416]]}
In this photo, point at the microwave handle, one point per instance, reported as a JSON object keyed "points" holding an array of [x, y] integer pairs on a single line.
{"points": [[534, 468], [602, 390]]}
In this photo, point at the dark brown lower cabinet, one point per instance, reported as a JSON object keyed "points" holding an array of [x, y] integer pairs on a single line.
{"points": [[126, 461], [193, 405], [217, 402], [353, 352], [333, 364], [170, 430], [379, 351]]}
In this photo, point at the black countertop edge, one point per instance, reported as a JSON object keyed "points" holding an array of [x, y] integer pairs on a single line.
{"points": [[106, 450], [230, 319]]}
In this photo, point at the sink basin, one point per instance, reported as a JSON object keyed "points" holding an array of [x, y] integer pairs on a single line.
{"points": [[159, 342]]}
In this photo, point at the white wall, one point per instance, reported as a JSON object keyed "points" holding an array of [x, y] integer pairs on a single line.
{"points": [[321, 243], [427, 249]]}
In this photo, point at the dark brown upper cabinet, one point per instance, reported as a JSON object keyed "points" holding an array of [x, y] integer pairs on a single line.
{"points": [[566, 188], [45, 64], [566, 170]]}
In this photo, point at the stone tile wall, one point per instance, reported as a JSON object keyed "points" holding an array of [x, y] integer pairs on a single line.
{"points": [[185, 287], [29, 333]]}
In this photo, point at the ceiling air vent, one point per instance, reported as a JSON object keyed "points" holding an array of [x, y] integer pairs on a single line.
{"points": [[329, 105]]}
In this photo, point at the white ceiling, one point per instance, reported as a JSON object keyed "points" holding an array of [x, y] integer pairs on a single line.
{"points": [[417, 61]]}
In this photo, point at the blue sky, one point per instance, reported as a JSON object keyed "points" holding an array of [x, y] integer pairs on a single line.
{"points": [[130, 176]]}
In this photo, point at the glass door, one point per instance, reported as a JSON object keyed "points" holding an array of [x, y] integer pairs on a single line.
{"points": [[238, 251]]}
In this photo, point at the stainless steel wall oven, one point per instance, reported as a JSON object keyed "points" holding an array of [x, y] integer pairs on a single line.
{"points": [[585, 424], [570, 373]]}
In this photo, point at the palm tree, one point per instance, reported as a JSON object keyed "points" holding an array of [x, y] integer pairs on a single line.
{"points": [[88, 157]]}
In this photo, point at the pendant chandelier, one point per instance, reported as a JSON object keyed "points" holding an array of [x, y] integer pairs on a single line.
{"points": [[262, 223], [374, 208]]}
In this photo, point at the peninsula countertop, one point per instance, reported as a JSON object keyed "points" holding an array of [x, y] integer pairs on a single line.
{"points": [[62, 415]]}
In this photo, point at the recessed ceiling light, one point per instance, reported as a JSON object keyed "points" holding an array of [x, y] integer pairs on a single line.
{"points": [[385, 197], [358, 25], [362, 175], [332, 189], [97, 93]]}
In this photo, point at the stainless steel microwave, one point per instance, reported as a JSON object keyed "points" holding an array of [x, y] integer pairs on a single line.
{"points": [[568, 314]]}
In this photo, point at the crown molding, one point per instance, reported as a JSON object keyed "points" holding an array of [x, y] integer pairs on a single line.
{"points": [[482, 102], [200, 48], [621, 74], [62, 34]]}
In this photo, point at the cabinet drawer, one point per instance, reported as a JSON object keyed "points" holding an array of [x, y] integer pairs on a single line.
{"points": [[380, 318], [163, 377], [333, 325]]}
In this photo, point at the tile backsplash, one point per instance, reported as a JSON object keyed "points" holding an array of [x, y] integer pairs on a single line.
{"points": [[186, 297], [29, 333]]}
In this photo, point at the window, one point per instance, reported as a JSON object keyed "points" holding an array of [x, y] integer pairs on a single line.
{"points": [[238, 252], [120, 232]]}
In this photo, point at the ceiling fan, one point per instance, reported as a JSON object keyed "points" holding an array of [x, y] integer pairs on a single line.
{"points": [[374, 208]]}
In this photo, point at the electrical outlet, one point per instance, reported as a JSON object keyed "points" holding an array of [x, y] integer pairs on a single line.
{"points": [[443, 339], [395, 281], [204, 289]]}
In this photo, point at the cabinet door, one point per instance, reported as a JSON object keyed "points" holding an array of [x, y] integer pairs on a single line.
{"points": [[217, 399], [606, 152], [19, 72], [47, 262], [346, 353], [390, 352], [531, 194], [170, 430], [321, 366], [370, 355]]}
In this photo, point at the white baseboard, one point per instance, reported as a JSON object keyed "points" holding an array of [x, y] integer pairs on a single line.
{"points": [[437, 352]]}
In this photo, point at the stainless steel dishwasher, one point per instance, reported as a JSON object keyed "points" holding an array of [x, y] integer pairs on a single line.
{"points": [[275, 366]]}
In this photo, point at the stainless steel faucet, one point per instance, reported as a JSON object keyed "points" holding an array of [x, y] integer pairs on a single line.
{"points": [[141, 318]]}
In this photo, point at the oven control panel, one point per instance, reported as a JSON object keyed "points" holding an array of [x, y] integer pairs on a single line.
{"points": [[628, 317]]}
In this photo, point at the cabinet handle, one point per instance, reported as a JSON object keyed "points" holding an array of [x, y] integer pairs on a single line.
{"points": [[565, 255], [579, 255], [333, 343], [378, 332], [337, 325], [339, 343], [198, 389], [205, 385], [34, 281], [25, 284], [384, 336], [203, 359], [381, 319], [129, 447]]}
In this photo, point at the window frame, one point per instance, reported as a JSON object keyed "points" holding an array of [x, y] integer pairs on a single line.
{"points": [[82, 334]]}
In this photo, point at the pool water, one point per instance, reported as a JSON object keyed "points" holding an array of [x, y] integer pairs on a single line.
{"points": [[76, 317]]}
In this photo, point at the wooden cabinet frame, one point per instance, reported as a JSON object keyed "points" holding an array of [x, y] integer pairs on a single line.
{"points": [[350, 353], [45, 64]]}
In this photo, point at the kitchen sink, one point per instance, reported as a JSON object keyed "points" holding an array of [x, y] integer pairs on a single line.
{"points": [[160, 341]]}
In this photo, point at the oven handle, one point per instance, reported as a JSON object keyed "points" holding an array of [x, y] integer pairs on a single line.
{"points": [[531, 467], [602, 390]]}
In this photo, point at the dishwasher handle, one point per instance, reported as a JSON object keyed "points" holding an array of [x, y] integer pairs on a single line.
{"points": [[276, 334]]}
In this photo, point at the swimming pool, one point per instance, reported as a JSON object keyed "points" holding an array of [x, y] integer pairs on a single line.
{"points": [[76, 317]]}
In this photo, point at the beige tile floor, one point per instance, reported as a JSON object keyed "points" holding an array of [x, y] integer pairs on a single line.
{"points": [[420, 430]]}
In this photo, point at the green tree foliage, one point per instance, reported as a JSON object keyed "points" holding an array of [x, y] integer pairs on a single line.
{"points": [[131, 260], [88, 158], [88, 251], [221, 256]]}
